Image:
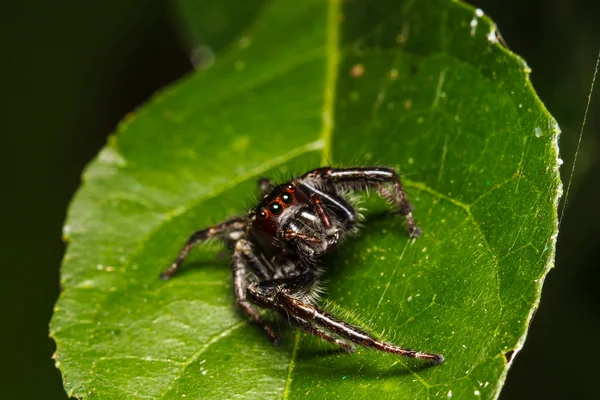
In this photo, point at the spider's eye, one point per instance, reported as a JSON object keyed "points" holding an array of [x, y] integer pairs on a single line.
{"points": [[287, 198], [290, 187], [275, 208], [263, 214]]}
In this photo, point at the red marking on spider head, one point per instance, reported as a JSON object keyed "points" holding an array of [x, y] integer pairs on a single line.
{"points": [[276, 208]]}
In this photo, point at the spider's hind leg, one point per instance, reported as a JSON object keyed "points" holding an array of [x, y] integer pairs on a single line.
{"points": [[316, 316], [283, 295], [315, 330]]}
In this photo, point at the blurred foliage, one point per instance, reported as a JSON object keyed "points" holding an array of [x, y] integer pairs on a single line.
{"points": [[71, 70]]}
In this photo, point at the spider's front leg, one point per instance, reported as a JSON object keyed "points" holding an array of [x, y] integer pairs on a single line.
{"points": [[283, 295], [229, 230], [364, 178]]}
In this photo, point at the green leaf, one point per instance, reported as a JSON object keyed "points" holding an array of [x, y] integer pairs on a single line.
{"points": [[422, 86], [215, 24]]}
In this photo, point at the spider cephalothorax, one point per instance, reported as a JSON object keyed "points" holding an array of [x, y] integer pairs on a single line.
{"points": [[277, 246]]}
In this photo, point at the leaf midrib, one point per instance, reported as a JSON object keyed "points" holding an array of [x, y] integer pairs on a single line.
{"points": [[328, 124]]}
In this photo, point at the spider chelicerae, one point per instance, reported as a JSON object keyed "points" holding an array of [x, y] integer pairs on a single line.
{"points": [[277, 246]]}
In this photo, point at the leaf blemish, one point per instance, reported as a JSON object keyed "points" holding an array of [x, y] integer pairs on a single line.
{"points": [[357, 70], [241, 143], [240, 65], [202, 57], [509, 355], [402, 38], [493, 35], [474, 21], [245, 42]]}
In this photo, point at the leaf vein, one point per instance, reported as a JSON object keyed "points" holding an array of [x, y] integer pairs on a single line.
{"points": [[333, 60], [226, 332]]}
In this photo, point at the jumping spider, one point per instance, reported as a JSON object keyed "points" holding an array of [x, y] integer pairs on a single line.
{"points": [[276, 248]]}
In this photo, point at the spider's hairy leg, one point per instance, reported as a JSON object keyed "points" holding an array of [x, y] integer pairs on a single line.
{"points": [[315, 330], [266, 293], [314, 315], [226, 230], [282, 295], [242, 253], [364, 178], [265, 186]]}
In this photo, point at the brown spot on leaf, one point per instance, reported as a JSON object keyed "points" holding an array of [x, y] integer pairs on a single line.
{"points": [[357, 70]]}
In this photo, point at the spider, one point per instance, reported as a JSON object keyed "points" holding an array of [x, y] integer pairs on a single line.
{"points": [[277, 246]]}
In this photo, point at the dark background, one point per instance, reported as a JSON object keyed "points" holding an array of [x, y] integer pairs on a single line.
{"points": [[70, 70]]}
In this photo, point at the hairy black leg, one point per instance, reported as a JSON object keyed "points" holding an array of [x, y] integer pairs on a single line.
{"points": [[227, 230], [265, 185], [283, 295], [315, 330], [363, 178], [239, 269], [310, 313], [265, 293]]}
